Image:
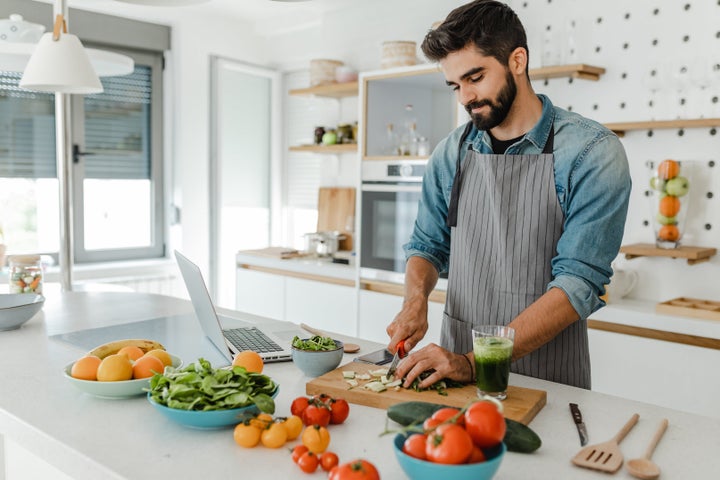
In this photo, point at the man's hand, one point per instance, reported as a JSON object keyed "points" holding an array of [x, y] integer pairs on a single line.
{"points": [[445, 363], [410, 325]]}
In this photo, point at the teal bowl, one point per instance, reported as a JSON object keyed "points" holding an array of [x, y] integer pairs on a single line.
{"points": [[314, 363], [417, 469], [206, 420]]}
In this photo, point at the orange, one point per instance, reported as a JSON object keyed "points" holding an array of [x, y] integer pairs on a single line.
{"points": [[668, 169], [147, 366], [114, 368], [162, 355], [250, 360], [669, 233], [669, 205], [86, 368], [132, 352]]}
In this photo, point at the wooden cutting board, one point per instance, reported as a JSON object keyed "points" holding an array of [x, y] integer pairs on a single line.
{"points": [[521, 404], [336, 211]]}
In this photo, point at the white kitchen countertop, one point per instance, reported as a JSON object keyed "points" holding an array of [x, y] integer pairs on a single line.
{"points": [[92, 438], [323, 267]]}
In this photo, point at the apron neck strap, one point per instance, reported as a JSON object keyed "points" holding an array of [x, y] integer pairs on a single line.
{"points": [[457, 181]]}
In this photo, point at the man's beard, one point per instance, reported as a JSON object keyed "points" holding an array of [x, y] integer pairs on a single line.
{"points": [[499, 109]]}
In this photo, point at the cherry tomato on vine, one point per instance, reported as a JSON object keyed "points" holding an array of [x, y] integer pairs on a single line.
{"points": [[308, 462], [449, 443], [339, 410], [298, 451], [485, 424], [355, 470], [274, 436], [316, 438], [431, 423], [445, 414], [294, 425], [328, 461], [246, 435], [414, 446], [476, 456], [298, 406], [317, 414]]}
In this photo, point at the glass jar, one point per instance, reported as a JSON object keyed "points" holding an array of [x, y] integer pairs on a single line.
{"points": [[25, 274]]}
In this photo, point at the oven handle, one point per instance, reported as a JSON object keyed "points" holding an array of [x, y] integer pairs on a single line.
{"points": [[375, 187]]}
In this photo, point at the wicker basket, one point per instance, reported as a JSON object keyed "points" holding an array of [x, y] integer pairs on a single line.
{"points": [[322, 71], [398, 54]]}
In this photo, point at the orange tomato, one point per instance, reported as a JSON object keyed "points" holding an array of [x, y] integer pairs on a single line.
{"points": [[250, 360], [147, 366], [316, 438], [669, 206], [86, 368], [132, 352], [246, 435], [668, 169], [115, 368], [294, 425], [274, 436], [669, 233]]}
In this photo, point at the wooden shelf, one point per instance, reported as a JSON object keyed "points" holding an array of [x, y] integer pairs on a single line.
{"points": [[328, 149], [579, 70], [621, 127], [692, 254], [332, 90], [394, 157]]}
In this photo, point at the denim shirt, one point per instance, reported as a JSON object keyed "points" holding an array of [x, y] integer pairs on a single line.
{"points": [[592, 182]]}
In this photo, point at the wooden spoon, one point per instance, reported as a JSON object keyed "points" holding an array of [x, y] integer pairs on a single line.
{"points": [[643, 467], [347, 347]]}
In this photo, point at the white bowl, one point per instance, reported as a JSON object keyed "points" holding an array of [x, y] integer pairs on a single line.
{"points": [[113, 390], [18, 308]]}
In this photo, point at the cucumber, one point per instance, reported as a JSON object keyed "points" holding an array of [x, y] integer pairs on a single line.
{"points": [[518, 437]]}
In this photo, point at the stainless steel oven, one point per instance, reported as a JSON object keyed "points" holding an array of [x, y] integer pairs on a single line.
{"points": [[389, 201]]}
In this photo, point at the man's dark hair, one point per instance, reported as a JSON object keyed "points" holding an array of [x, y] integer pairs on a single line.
{"points": [[491, 26]]}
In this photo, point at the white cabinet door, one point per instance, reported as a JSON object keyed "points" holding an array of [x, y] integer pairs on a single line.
{"points": [[260, 293], [325, 306]]}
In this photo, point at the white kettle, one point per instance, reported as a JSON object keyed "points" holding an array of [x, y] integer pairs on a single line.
{"points": [[621, 283]]}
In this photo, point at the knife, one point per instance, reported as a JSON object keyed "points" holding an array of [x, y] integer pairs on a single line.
{"points": [[399, 354], [577, 417]]}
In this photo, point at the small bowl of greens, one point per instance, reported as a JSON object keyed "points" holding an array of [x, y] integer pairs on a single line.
{"points": [[316, 355], [200, 396]]}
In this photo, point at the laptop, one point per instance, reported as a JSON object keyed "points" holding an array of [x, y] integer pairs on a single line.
{"points": [[273, 344]]}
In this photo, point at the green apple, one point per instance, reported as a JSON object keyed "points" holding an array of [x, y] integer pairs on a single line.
{"points": [[329, 138], [677, 186], [663, 220], [657, 183]]}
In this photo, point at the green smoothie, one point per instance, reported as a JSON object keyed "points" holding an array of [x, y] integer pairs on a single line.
{"points": [[492, 363]]}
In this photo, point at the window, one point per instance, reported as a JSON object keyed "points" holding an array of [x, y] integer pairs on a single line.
{"points": [[117, 168]]}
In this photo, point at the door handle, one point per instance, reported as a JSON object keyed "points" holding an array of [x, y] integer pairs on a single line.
{"points": [[77, 154]]}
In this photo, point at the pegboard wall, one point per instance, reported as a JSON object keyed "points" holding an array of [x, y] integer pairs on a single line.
{"points": [[662, 61]]}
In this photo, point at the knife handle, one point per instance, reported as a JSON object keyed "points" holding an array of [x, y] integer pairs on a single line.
{"points": [[401, 349], [575, 411]]}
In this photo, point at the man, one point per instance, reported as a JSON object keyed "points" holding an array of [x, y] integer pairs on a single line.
{"points": [[525, 207]]}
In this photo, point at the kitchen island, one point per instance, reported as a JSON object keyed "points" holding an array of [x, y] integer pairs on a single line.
{"points": [[90, 438]]}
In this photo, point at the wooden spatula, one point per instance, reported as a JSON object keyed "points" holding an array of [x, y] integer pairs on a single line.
{"points": [[605, 456]]}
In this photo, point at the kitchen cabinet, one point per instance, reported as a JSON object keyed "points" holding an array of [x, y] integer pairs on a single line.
{"points": [[260, 293], [325, 306]]}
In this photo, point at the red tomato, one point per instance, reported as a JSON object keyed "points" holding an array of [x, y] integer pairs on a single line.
{"points": [[445, 414], [356, 470], [317, 415], [431, 423], [328, 461], [298, 451], [485, 424], [299, 405], [415, 446], [308, 462], [339, 410], [449, 443], [476, 456]]}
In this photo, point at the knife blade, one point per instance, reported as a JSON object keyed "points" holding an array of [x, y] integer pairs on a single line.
{"points": [[577, 418], [399, 354]]}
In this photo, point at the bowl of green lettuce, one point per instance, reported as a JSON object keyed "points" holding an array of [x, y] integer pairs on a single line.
{"points": [[200, 396], [316, 355]]}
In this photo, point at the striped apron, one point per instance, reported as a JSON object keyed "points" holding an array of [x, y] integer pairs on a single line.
{"points": [[505, 222]]}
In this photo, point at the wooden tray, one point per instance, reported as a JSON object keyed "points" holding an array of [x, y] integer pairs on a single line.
{"points": [[521, 404], [690, 307]]}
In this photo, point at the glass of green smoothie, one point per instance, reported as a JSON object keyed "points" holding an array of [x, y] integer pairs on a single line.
{"points": [[492, 348]]}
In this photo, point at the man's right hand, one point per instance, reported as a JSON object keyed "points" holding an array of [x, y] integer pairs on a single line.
{"points": [[410, 325]]}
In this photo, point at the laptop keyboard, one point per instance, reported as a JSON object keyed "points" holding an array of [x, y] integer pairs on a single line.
{"points": [[251, 338]]}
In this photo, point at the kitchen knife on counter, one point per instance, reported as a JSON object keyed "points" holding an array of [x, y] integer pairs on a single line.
{"points": [[577, 418], [399, 354]]}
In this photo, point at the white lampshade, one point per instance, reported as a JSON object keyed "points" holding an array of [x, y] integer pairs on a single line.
{"points": [[60, 66]]}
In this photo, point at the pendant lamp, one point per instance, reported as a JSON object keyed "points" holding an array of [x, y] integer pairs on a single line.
{"points": [[60, 64]]}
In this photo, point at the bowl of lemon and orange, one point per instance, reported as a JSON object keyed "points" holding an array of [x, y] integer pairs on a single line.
{"points": [[121, 368]]}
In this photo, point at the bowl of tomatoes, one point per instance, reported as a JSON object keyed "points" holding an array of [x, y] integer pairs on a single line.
{"points": [[459, 444]]}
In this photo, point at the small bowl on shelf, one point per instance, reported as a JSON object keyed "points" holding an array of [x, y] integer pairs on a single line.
{"points": [[18, 308], [314, 363], [208, 419], [417, 469]]}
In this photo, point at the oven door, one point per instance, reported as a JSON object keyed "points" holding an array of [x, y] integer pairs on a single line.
{"points": [[388, 218]]}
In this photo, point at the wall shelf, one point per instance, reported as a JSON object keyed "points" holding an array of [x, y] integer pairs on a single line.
{"points": [[332, 90], [692, 254], [579, 70], [329, 149], [394, 157], [621, 127]]}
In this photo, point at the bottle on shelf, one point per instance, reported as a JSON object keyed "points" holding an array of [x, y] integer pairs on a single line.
{"points": [[392, 143], [409, 126]]}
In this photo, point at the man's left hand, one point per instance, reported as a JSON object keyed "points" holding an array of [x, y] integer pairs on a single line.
{"points": [[445, 363]]}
